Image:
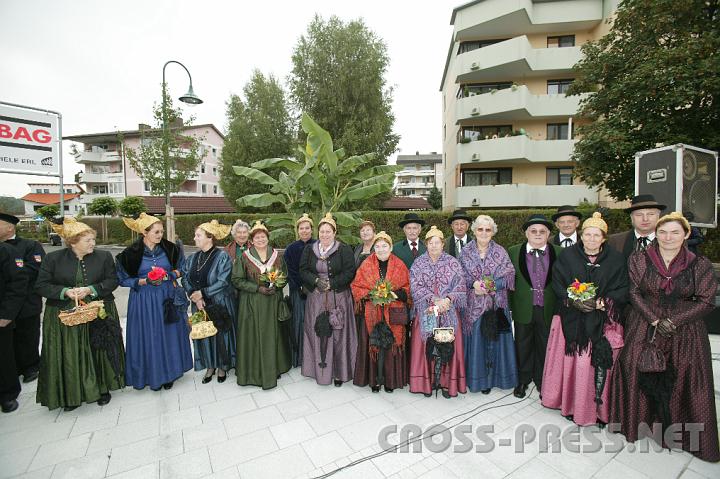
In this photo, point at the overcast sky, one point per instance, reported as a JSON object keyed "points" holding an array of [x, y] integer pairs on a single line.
{"points": [[99, 63]]}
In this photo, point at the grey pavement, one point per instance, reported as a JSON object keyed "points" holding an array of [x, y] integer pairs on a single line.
{"points": [[300, 429]]}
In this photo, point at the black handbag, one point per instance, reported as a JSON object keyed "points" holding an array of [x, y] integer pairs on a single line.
{"points": [[170, 312], [651, 359], [398, 315]]}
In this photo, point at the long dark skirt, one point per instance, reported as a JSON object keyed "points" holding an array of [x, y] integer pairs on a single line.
{"points": [[366, 369]]}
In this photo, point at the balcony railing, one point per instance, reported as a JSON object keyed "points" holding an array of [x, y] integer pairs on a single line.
{"points": [[515, 104], [514, 149], [517, 195]]}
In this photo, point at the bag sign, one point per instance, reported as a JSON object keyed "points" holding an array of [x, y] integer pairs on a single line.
{"points": [[29, 141]]}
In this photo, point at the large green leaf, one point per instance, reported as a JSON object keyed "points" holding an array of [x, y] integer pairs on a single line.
{"points": [[319, 141], [365, 192], [279, 232], [261, 200], [388, 179], [355, 162], [377, 170], [347, 219], [254, 174], [348, 239], [288, 163]]}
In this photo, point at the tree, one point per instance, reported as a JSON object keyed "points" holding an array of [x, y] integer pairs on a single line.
{"points": [[132, 206], [654, 80], [49, 211], [338, 78], [166, 158], [259, 126], [14, 206], [104, 206], [320, 183], [435, 198]]}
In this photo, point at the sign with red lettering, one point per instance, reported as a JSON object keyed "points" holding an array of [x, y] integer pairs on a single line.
{"points": [[29, 141]]}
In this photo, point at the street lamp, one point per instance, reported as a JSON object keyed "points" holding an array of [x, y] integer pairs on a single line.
{"points": [[191, 99]]}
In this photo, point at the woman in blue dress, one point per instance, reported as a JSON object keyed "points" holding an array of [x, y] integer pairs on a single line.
{"points": [[206, 279], [157, 343], [489, 347]]}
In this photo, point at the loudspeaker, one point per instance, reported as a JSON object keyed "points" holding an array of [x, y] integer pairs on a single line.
{"points": [[682, 177]]}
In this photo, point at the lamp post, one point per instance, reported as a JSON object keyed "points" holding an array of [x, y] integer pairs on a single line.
{"points": [[189, 98]]}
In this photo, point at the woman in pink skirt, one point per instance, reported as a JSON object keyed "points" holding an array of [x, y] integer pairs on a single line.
{"points": [[585, 336]]}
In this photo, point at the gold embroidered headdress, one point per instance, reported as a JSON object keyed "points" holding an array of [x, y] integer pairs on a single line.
{"points": [[434, 231], [71, 227], [219, 231], [143, 222]]}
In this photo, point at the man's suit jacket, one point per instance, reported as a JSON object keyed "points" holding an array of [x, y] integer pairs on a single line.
{"points": [[450, 245], [521, 299], [402, 250], [555, 239], [623, 242]]}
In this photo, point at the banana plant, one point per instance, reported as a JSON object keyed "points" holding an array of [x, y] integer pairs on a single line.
{"points": [[321, 180]]}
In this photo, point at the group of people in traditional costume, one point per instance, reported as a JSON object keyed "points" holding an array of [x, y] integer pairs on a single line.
{"points": [[454, 314]]}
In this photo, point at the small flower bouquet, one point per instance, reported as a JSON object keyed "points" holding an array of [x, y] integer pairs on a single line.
{"points": [[274, 278], [156, 275], [487, 283], [197, 317], [382, 293], [581, 291]]}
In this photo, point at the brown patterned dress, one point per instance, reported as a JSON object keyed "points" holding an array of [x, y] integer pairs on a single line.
{"points": [[684, 392]]}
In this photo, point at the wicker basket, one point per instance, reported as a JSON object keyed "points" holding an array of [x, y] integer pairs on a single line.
{"points": [[82, 313]]}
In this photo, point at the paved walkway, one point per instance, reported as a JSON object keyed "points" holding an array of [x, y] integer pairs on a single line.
{"points": [[300, 429]]}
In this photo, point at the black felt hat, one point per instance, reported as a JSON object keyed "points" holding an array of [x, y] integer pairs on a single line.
{"points": [[411, 218], [537, 220], [459, 215], [644, 201], [9, 218], [566, 210]]}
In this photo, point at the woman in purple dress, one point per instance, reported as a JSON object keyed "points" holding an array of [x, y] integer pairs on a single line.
{"points": [[489, 347], [327, 267], [671, 289], [437, 286]]}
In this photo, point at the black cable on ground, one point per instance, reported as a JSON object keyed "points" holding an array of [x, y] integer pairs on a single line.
{"points": [[480, 409]]}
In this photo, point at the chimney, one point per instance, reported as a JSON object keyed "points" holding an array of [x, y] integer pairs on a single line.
{"points": [[177, 123], [417, 153], [143, 126]]}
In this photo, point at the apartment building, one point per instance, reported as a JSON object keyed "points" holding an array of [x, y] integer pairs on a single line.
{"points": [[419, 174], [107, 171], [508, 128]]}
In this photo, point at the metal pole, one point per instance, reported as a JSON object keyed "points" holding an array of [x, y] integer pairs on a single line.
{"points": [[62, 192]]}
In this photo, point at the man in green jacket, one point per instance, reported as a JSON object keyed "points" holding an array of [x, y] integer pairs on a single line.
{"points": [[532, 302], [411, 247]]}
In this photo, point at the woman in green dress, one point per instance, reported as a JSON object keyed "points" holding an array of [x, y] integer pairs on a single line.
{"points": [[263, 352], [81, 363]]}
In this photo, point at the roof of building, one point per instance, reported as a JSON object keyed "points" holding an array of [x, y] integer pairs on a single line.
{"points": [[189, 204], [425, 158], [113, 135], [48, 198], [406, 203]]}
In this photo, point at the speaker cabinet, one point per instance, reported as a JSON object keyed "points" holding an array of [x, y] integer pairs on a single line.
{"points": [[682, 177]]}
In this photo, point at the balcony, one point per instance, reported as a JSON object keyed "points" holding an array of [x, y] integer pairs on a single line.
{"points": [[88, 198], [523, 195], [497, 18], [512, 59], [92, 177], [415, 173], [515, 149], [98, 156], [515, 104], [414, 185]]}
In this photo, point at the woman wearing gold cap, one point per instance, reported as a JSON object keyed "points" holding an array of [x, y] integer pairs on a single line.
{"points": [[206, 279], [263, 350], [327, 268], [671, 290], [80, 363], [586, 337], [157, 335], [437, 285], [381, 358]]}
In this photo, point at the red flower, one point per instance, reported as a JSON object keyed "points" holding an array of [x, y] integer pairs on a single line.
{"points": [[156, 273]]}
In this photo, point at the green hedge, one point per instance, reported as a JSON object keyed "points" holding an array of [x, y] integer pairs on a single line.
{"points": [[509, 226]]}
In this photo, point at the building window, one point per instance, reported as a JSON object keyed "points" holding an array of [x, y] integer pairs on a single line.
{"points": [[215, 190], [484, 132], [561, 41], [472, 89], [559, 176], [214, 152], [46, 190], [203, 188], [555, 87], [66, 208], [202, 168], [146, 186], [558, 131], [487, 177], [214, 171], [115, 188], [474, 45], [99, 189], [68, 191]]}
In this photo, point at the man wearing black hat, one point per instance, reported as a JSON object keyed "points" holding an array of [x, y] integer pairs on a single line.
{"points": [[460, 223], [411, 247], [13, 290], [28, 257], [644, 215], [567, 221], [533, 301]]}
